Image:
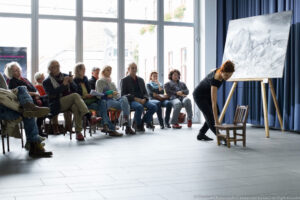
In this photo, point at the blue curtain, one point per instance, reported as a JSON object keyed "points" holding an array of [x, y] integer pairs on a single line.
{"points": [[249, 93]]}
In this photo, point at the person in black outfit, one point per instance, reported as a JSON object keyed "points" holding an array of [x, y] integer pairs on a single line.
{"points": [[95, 77], [205, 96]]}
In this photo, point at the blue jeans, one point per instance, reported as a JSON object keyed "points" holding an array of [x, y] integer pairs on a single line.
{"points": [[119, 104], [100, 106], [139, 109], [30, 126], [168, 105]]}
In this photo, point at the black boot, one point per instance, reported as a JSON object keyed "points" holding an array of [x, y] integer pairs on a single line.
{"points": [[202, 136], [129, 131], [37, 151]]}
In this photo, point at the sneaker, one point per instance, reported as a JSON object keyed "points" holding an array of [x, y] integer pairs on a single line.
{"points": [[203, 137], [31, 110], [114, 134], [176, 126], [37, 150], [79, 137], [189, 123]]}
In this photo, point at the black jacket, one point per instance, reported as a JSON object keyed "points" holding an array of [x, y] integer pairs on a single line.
{"points": [[55, 94], [92, 82], [14, 83], [127, 87], [77, 81]]}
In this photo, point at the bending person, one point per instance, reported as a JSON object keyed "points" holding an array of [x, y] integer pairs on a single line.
{"points": [[205, 96]]}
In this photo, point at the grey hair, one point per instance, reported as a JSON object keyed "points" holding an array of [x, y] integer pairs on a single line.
{"points": [[95, 69], [38, 75], [8, 69], [50, 64]]}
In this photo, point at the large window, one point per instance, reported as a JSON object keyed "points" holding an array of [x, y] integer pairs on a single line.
{"points": [[157, 35], [17, 35], [57, 42], [140, 45], [100, 46]]}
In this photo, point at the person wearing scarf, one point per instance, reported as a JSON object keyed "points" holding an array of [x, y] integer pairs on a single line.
{"points": [[61, 91], [155, 91], [13, 71], [92, 102], [115, 100]]}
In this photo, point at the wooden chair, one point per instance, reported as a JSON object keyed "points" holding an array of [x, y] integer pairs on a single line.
{"points": [[239, 123], [3, 135]]}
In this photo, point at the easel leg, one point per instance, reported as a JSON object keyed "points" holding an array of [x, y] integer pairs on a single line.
{"points": [[227, 102], [276, 104], [265, 108]]}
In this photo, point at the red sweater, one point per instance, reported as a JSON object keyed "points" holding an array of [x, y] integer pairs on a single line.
{"points": [[41, 90]]}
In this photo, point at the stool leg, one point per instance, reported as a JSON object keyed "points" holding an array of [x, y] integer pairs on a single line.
{"points": [[3, 147], [228, 138], [234, 135], [22, 140], [244, 137], [7, 138], [218, 138]]}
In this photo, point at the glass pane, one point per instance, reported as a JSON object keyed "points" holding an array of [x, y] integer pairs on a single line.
{"points": [[11, 36], [141, 9], [100, 8], [57, 41], [179, 10], [15, 6], [57, 7], [100, 47], [179, 54], [141, 48]]}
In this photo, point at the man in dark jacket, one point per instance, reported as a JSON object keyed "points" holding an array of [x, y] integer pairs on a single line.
{"points": [[134, 88], [95, 77]]}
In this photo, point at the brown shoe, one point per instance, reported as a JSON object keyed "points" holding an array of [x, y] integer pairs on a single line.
{"points": [[114, 134], [31, 110]]}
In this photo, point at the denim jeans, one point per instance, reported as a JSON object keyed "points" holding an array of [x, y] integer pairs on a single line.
{"points": [[139, 109], [119, 104], [168, 105], [100, 106], [30, 126]]}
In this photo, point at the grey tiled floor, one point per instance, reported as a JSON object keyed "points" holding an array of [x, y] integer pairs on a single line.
{"points": [[160, 165]]}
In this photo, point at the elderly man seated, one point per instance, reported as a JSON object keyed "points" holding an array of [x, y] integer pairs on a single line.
{"points": [[17, 105]]}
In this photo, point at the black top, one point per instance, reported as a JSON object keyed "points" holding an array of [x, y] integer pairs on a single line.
{"points": [[204, 87], [77, 81], [133, 88], [13, 83], [92, 82]]}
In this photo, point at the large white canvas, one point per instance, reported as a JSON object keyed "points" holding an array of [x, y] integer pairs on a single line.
{"points": [[257, 45]]}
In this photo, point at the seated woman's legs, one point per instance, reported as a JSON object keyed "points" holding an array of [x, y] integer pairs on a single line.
{"points": [[159, 112], [177, 105], [168, 105], [188, 107]]}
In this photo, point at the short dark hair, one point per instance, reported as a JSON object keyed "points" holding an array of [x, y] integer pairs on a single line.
{"points": [[172, 72], [227, 66]]}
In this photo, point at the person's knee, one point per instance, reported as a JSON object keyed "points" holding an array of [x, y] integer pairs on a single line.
{"points": [[139, 108], [187, 101], [177, 106], [153, 107], [76, 96], [169, 105]]}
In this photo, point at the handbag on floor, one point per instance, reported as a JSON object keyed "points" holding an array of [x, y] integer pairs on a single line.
{"points": [[181, 117]]}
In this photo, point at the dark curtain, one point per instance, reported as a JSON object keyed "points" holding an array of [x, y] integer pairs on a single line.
{"points": [[249, 93]]}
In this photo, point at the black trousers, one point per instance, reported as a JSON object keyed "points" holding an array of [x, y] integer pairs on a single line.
{"points": [[205, 105]]}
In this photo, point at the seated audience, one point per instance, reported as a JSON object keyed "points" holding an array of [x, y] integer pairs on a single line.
{"points": [[61, 91], [115, 100], [92, 102], [14, 72], [95, 77], [133, 87], [177, 91], [17, 105], [156, 93]]}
